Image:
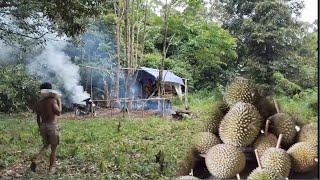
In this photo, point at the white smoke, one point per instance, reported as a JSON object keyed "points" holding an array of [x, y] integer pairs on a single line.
{"points": [[6, 54], [53, 64]]}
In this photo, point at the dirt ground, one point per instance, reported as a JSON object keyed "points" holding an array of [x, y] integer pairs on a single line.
{"points": [[116, 112]]}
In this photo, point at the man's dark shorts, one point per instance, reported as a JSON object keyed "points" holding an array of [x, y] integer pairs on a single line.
{"points": [[50, 134]]}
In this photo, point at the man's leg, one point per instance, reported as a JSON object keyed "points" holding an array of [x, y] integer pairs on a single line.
{"points": [[54, 141], [53, 156], [42, 151]]}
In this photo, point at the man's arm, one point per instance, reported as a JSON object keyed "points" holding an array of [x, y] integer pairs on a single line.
{"points": [[57, 107], [59, 104], [36, 110]]}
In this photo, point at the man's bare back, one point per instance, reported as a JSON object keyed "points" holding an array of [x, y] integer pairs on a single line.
{"points": [[47, 110]]}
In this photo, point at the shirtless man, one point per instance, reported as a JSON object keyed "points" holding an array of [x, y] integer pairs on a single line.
{"points": [[47, 110]]}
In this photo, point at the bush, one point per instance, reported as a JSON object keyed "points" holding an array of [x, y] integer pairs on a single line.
{"points": [[304, 105], [18, 90], [285, 86]]}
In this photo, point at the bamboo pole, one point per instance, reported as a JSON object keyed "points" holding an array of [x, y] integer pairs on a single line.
{"points": [[279, 141], [276, 105], [91, 92], [258, 159], [266, 128]]}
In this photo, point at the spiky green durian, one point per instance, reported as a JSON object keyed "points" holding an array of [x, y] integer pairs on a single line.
{"points": [[303, 156], [241, 125], [225, 161]]}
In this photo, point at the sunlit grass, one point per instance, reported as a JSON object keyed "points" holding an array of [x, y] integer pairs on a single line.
{"points": [[94, 148]]}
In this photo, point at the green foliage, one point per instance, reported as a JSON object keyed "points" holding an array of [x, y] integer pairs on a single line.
{"points": [[308, 52], [45, 16], [303, 105], [17, 89], [268, 36], [154, 61], [284, 86]]}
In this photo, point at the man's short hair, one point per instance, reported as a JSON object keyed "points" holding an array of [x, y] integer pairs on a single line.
{"points": [[45, 86]]}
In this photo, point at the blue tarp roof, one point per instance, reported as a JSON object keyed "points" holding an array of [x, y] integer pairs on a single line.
{"points": [[150, 73]]}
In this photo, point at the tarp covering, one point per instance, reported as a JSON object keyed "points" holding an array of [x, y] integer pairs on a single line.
{"points": [[150, 73]]}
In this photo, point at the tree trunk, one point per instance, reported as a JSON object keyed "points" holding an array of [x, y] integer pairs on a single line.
{"points": [[118, 32], [161, 82], [144, 31]]}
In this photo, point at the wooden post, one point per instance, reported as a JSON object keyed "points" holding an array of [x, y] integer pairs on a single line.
{"points": [[141, 91], [162, 107], [171, 91], [111, 105], [142, 108], [91, 93], [186, 94]]}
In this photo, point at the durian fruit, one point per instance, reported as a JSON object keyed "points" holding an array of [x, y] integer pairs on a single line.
{"points": [[263, 173], [309, 133], [303, 156], [265, 140], [241, 125], [240, 89], [225, 161], [277, 159], [282, 123], [204, 141], [216, 114]]}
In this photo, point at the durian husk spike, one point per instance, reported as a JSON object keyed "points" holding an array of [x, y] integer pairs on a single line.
{"points": [[258, 159], [238, 176], [279, 141], [276, 105], [316, 159], [266, 128]]}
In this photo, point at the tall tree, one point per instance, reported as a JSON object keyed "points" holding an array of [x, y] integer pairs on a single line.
{"points": [[32, 20], [268, 34]]}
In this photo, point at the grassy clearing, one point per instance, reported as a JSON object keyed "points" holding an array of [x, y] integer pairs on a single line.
{"points": [[93, 148]]}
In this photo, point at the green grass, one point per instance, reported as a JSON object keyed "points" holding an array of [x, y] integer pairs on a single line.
{"points": [[303, 105], [93, 147]]}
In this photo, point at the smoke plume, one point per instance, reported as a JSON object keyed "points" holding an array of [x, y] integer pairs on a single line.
{"points": [[53, 65], [6, 54]]}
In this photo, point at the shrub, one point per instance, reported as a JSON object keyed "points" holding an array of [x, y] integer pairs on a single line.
{"points": [[18, 90]]}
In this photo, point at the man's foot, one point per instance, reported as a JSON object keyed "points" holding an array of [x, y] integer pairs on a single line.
{"points": [[52, 170], [33, 166]]}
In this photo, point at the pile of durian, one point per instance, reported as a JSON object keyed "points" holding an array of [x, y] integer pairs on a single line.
{"points": [[246, 120]]}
